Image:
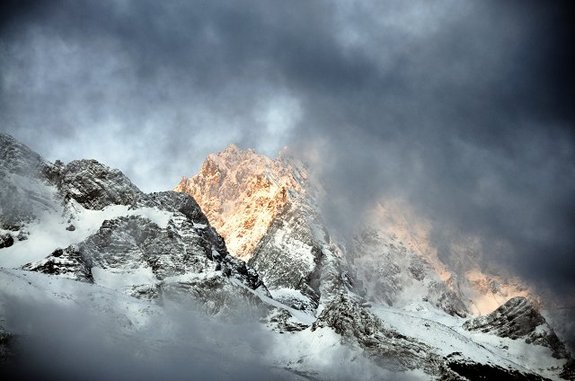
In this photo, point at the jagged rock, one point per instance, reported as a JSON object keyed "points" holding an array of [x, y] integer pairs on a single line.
{"points": [[241, 193], [94, 185], [163, 248], [396, 351], [176, 202], [281, 320], [518, 319], [6, 240], [146, 260], [187, 247], [68, 263], [17, 158], [392, 273], [24, 194], [267, 212], [445, 298], [23, 235], [391, 349]]}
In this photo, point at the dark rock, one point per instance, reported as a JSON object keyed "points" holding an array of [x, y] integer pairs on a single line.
{"points": [[473, 371], [68, 263], [518, 319], [389, 348], [22, 235], [568, 371], [94, 185], [281, 321], [176, 202], [7, 348], [6, 240]]}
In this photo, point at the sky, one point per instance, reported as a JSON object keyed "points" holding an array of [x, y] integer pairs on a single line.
{"points": [[463, 108]]}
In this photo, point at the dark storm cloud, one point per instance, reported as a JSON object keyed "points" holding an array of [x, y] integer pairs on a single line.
{"points": [[463, 108]]}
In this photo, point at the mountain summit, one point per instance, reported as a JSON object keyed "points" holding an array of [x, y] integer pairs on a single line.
{"points": [[266, 210]]}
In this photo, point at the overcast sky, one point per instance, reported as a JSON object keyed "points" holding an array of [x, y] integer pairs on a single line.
{"points": [[464, 108]]}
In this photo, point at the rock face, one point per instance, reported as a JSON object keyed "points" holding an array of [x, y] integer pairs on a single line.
{"points": [[93, 185], [68, 263], [24, 192], [395, 275], [400, 261], [241, 193], [6, 240], [518, 319], [18, 159], [266, 211], [392, 349]]}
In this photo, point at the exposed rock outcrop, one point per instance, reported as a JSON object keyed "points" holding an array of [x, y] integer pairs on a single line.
{"points": [[519, 319], [93, 185], [267, 212]]}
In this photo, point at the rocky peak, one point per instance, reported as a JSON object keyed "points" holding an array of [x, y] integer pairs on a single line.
{"points": [[394, 274], [519, 319], [241, 193], [388, 347], [161, 245], [94, 185], [166, 247], [267, 212], [399, 260], [17, 158], [24, 192]]}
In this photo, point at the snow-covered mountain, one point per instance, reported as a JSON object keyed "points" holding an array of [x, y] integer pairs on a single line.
{"points": [[399, 263], [100, 280], [266, 211]]}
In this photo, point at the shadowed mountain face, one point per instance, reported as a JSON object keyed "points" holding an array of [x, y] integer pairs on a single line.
{"points": [[84, 234]]}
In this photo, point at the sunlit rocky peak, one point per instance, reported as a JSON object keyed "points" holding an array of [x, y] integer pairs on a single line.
{"points": [[395, 245], [242, 192]]}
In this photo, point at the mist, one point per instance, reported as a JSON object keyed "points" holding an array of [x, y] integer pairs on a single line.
{"points": [[67, 331], [461, 108]]}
